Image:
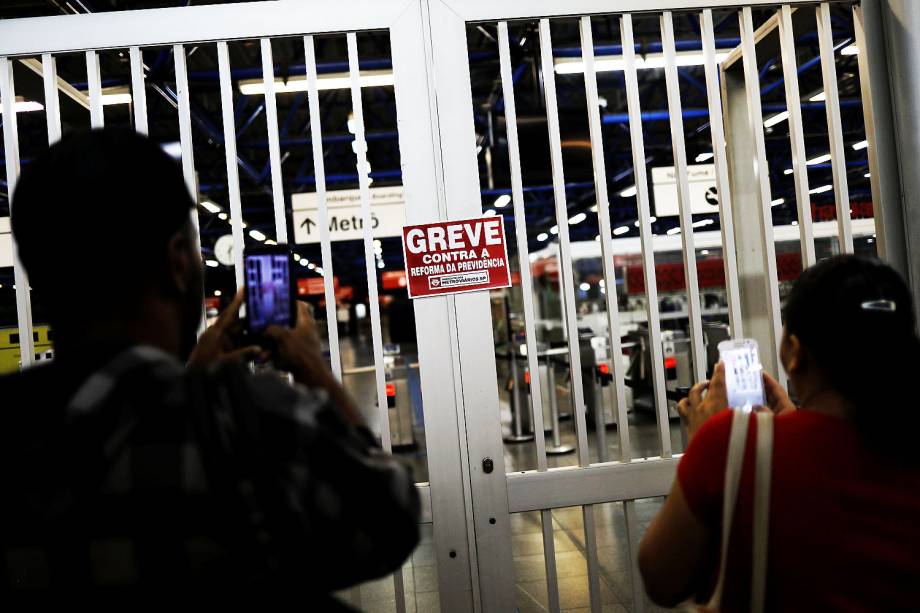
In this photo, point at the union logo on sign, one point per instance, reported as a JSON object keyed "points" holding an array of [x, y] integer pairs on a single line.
{"points": [[436, 282]]}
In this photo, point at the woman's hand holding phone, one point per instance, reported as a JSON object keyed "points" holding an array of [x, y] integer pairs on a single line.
{"points": [[696, 408], [777, 399]]}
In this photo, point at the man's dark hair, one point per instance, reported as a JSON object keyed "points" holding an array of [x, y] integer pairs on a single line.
{"points": [[855, 318], [92, 217]]}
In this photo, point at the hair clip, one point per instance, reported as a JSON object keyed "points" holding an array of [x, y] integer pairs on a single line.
{"points": [[887, 306]]}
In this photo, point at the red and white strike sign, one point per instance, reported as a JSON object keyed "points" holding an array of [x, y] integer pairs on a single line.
{"points": [[450, 257]]}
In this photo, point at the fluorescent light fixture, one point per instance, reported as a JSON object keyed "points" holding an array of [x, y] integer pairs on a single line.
{"points": [[778, 202], [673, 231], [593, 209], [821, 190], [257, 235], [503, 201], [788, 171], [173, 150], [542, 236], [211, 207], [819, 97], [217, 293], [577, 218], [584, 287], [819, 160], [212, 263], [490, 213], [620, 231], [25, 106], [704, 252], [651, 219], [778, 118], [337, 80], [222, 216], [867, 175], [703, 157], [860, 145], [795, 223], [112, 99], [270, 242], [651, 60], [850, 50], [703, 223], [554, 230], [629, 192]]}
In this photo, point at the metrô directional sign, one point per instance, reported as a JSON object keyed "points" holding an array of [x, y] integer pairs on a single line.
{"points": [[346, 221]]}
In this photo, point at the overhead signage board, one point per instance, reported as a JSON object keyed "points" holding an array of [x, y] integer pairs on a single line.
{"points": [[452, 257], [6, 243], [346, 221], [701, 184]]}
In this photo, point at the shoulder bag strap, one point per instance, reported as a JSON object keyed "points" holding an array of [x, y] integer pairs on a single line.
{"points": [[734, 461], [761, 529]]}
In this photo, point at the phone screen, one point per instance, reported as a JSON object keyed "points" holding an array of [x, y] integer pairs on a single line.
{"points": [[268, 290], [743, 373]]}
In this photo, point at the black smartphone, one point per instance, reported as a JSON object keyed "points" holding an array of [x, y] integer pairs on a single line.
{"points": [[270, 292]]}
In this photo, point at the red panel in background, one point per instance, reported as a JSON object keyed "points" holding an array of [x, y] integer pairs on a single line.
{"points": [[313, 286], [212, 302], [393, 279], [710, 273]]}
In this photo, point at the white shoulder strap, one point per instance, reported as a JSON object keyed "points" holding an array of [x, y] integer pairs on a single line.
{"points": [[761, 530], [734, 461]]}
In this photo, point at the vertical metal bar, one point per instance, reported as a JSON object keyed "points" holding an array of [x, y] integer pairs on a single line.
{"points": [[94, 79], [354, 73], [11, 155], [796, 133], [233, 178], [645, 232], [678, 146], [717, 131], [594, 588], [567, 281], [834, 127], [274, 145], [871, 137], [520, 226], [319, 171], [603, 215], [52, 98], [752, 85], [138, 93], [632, 539], [185, 145]]}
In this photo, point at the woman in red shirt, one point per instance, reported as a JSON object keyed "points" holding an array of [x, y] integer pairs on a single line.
{"points": [[844, 530]]}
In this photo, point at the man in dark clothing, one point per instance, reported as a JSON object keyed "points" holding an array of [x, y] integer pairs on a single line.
{"points": [[139, 461]]}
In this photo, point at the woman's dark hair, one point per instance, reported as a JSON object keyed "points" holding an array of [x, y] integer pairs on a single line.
{"points": [[854, 316]]}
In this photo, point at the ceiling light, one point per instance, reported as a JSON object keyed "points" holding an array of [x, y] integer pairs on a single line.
{"points": [[607, 63], [593, 209], [629, 192], [598, 237], [257, 235], [380, 264], [795, 223], [821, 190], [217, 293], [584, 287], [850, 50], [860, 145], [703, 223], [377, 243], [621, 230], [212, 263], [554, 230], [577, 218], [542, 236], [788, 171], [222, 216], [211, 207], [818, 160], [270, 242], [778, 118], [704, 252], [296, 257], [602, 283], [867, 175], [502, 201], [337, 80], [651, 219], [703, 157], [350, 124], [778, 202], [490, 213], [110, 99], [673, 231], [311, 266], [819, 97]]}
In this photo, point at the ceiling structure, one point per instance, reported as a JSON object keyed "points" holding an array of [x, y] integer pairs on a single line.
{"points": [[381, 126]]}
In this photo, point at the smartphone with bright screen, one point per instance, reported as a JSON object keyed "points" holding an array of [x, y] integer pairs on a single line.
{"points": [[269, 293], [743, 373]]}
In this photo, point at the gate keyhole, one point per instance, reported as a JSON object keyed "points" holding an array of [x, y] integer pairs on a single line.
{"points": [[487, 465]]}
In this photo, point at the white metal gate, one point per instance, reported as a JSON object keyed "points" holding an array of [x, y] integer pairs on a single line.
{"points": [[469, 505]]}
